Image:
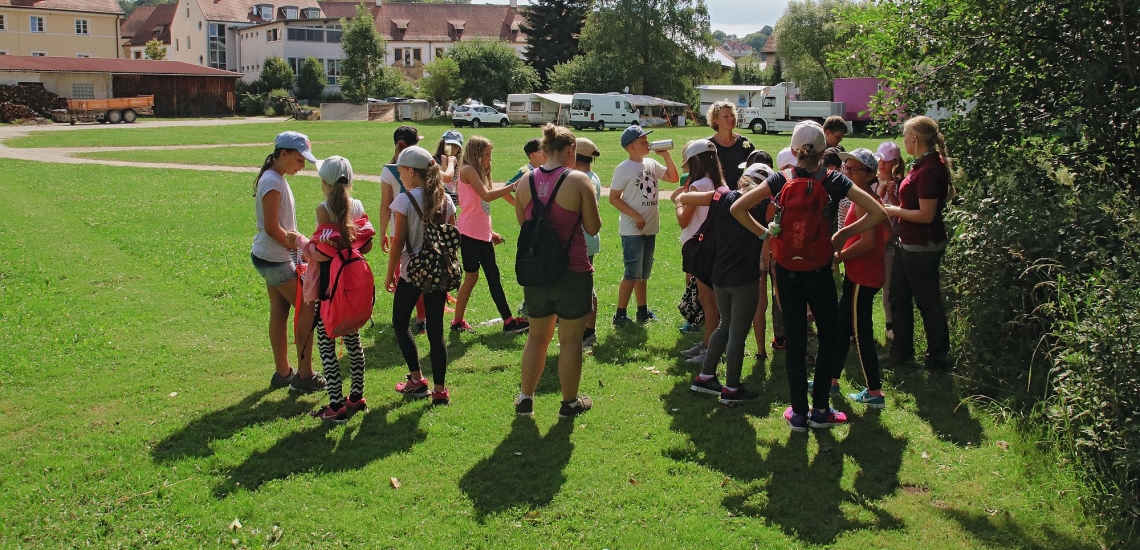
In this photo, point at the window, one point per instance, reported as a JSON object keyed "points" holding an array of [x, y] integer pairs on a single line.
{"points": [[438, 53], [39, 54], [416, 54], [397, 55], [188, 43], [768, 101], [516, 106], [36, 23], [3, 52], [3, 23], [295, 64], [332, 71], [581, 104], [535, 105], [272, 35], [333, 34], [82, 26], [311, 13], [136, 55], [82, 55], [290, 12], [305, 34], [82, 91], [217, 46], [176, 48]]}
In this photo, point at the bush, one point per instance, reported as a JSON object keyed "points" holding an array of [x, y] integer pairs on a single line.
{"points": [[252, 104], [278, 102], [333, 97], [311, 80], [275, 74]]}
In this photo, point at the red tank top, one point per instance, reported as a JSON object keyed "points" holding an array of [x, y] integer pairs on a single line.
{"points": [[869, 269], [565, 222]]}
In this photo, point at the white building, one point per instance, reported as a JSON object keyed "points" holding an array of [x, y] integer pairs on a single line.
{"points": [[204, 32]]}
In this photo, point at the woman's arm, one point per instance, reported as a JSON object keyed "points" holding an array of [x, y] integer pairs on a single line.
{"points": [[591, 215], [874, 215], [270, 206], [740, 209], [927, 209], [399, 234], [521, 201], [386, 199]]}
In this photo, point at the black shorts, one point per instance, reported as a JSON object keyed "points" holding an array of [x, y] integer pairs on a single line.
{"points": [[475, 253], [569, 299]]}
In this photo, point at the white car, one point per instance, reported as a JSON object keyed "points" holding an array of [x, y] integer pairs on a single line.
{"points": [[478, 115]]}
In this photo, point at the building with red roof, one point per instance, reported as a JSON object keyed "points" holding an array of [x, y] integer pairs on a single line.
{"points": [[65, 28]]}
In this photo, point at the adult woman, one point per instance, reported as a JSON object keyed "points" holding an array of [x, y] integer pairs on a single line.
{"points": [[571, 208], [915, 273], [731, 148]]}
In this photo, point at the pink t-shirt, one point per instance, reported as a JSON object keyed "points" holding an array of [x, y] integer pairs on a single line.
{"points": [[565, 222], [474, 213]]}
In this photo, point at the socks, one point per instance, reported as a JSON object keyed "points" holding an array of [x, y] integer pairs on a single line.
{"points": [[621, 312], [705, 377], [642, 311], [524, 397]]}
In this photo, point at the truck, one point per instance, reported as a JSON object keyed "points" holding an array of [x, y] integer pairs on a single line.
{"points": [[113, 110], [538, 109], [780, 111], [856, 93]]}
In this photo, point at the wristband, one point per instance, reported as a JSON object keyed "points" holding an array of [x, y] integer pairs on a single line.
{"points": [[765, 236]]}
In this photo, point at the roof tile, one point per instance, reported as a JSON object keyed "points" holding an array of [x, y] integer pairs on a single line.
{"points": [[103, 65]]}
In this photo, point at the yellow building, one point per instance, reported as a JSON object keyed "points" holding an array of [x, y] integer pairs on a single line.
{"points": [[60, 28]]}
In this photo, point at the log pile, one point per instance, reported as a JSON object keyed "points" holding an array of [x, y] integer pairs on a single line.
{"points": [[36, 98], [10, 112]]}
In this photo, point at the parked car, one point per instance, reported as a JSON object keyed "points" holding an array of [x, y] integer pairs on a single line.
{"points": [[478, 115]]}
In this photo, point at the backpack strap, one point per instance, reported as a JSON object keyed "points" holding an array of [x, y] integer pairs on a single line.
{"points": [[539, 209], [396, 174]]}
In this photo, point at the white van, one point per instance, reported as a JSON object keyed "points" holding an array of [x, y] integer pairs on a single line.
{"points": [[601, 111], [538, 109]]}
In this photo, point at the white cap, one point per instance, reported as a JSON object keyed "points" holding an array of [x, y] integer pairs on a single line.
{"points": [[332, 169], [415, 157], [695, 148], [784, 158], [808, 132], [888, 150], [759, 171]]}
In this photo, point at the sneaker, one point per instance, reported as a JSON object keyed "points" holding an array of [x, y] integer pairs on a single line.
{"points": [[871, 401], [421, 327], [278, 381], [524, 407], [522, 312], [648, 317], [441, 397], [516, 325], [826, 419], [462, 326], [690, 328], [329, 414], [451, 299], [698, 359], [590, 341], [694, 351], [576, 407], [890, 334], [835, 391], [779, 342], [729, 397], [711, 386], [797, 422], [315, 383], [413, 388], [355, 404], [622, 320]]}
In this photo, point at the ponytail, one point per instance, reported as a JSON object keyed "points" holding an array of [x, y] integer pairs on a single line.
{"points": [[265, 166], [338, 205], [433, 192]]}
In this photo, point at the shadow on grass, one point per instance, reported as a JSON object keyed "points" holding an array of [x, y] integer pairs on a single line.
{"points": [[312, 449], [194, 439], [623, 345], [1002, 531], [459, 344], [525, 470], [939, 403]]}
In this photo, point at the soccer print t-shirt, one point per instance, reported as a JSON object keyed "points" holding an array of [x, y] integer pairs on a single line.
{"points": [[637, 182]]}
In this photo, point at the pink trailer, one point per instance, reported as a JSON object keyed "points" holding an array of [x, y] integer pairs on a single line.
{"points": [[856, 93]]}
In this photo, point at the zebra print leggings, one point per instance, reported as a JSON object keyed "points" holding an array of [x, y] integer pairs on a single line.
{"points": [[327, 347]]}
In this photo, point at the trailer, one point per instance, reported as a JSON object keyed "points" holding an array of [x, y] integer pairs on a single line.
{"points": [[857, 94], [538, 109], [780, 111], [114, 110]]}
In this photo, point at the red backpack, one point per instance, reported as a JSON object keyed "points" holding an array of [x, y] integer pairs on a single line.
{"points": [[803, 241], [347, 300]]}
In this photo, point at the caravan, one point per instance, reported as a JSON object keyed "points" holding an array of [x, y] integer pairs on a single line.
{"points": [[601, 111], [538, 109]]}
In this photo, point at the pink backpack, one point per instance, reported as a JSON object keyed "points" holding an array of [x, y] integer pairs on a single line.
{"points": [[347, 300]]}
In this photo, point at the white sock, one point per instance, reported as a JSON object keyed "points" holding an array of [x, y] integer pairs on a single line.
{"points": [[522, 397], [705, 377]]}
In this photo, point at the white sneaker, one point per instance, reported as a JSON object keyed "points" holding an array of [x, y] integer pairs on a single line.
{"points": [[694, 351], [891, 334], [698, 359]]}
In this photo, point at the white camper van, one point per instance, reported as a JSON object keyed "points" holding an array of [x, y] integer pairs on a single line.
{"points": [[538, 109], [601, 111]]}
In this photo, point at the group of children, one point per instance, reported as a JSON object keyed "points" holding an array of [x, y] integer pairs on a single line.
{"points": [[743, 230]]}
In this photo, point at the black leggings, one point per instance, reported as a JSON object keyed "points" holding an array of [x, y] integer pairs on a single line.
{"points": [[478, 253], [855, 310], [798, 290], [407, 294]]}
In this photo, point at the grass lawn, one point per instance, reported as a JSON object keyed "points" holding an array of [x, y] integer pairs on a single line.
{"points": [[136, 409]]}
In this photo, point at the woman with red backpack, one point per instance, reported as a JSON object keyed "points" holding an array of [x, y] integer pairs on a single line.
{"points": [[803, 249]]}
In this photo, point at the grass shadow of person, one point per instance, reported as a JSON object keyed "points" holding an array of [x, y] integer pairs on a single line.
{"points": [[878, 453], [313, 450], [997, 529], [194, 439], [525, 470], [459, 344], [624, 345], [719, 437], [938, 402]]}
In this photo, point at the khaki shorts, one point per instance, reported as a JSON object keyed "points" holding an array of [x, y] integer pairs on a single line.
{"points": [[569, 299]]}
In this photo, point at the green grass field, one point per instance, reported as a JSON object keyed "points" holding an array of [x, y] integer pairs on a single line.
{"points": [[136, 409]]}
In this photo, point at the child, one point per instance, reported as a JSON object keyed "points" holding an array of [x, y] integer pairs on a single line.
{"points": [[347, 215], [583, 162], [274, 256], [390, 188], [420, 175], [535, 157], [477, 239], [633, 191], [753, 176], [447, 153], [891, 173], [834, 129]]}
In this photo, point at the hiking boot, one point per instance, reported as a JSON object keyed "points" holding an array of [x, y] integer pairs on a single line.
{"points": [[576, 407], [690, 327], [278, 381], [421, 327], [621, 320], [826, 419], [871, 401], [329, 414], [698, 359], [711, 386], [694, 351], [462, 326], [797, 422], [314, 383], [779, 342], [516, 325], [441, 397], [834, 391], [524, 407], [741, 393], [355, 403], [413, 388], [648, 317]]}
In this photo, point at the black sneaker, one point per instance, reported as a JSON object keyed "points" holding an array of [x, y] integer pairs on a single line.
{"points": [[516, 325], [278, 381], [728, 397], [710, 386], [524, 407], [648, 317], [314, 383], [622, 320], [576, 407]]}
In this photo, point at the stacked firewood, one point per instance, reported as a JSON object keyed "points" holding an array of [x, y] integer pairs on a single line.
{"points": [[36, 98], [14, 111]]}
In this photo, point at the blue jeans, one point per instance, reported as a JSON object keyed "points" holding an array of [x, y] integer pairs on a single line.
{"points": [[637, 252], [275, 273]]}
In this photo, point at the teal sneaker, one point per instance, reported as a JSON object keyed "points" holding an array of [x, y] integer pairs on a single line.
{"points": [[871, 401], [834, 392]]}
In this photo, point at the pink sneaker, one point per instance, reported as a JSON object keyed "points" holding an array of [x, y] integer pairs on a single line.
{"points": [[355, 404], [826, 419], [413, 388], [441, 397]]}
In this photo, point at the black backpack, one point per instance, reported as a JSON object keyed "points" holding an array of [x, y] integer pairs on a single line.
{"points": [[435, 268], [541, 259], [698, 254]]}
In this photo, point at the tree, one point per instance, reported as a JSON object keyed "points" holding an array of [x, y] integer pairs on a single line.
{"points": [[552, 28], [758, 39], [491, 69], [311, 80], [276, 74], [364, 53], [584, 73], [155, 49], [806, 35], [442, 83], [720, 37]]}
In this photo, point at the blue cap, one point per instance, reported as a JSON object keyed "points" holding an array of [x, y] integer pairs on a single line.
{"points": [[632, 133], [296, 141], [453, 137]]}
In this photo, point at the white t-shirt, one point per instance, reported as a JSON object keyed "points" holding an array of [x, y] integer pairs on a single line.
{"points": [[264, 246], [637, 182], [700, 214], [355, 211], [391, 178], [415, 235]]}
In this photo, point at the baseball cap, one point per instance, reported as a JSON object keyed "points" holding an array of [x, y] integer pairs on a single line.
{"points": [[785, 157], [532, 146], [759, 171], [864, 156], [695, 148], [808, 132], [758, 155], [453, 137], [406, 134], [415, 157], [332, 169], [297, 141], [888, 150], [586, 148], [629, 135]]}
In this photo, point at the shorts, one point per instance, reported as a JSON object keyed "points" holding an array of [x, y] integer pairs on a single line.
{"points": [[475, 253], [569, 299], [275, 273], [637, 252]]}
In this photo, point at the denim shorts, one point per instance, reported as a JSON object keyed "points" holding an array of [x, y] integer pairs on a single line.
{"points": [[275, 273], [637, 252]]}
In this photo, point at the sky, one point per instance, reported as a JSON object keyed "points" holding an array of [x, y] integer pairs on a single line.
{"points": [[739, 17]]}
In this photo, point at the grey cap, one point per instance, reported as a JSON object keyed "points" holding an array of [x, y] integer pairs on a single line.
{"points": [[332, 169], [864, 156], [415, 157], [629, 135]]}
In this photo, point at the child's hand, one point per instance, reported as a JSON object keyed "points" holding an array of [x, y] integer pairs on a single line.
{"points": [[390, 282], [386, 243], [639, 221], [496, 238]]}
